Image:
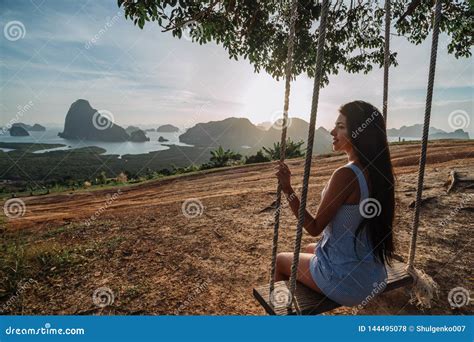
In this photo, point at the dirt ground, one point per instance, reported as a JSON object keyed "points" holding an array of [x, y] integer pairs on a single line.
{"points": [[157, 260]]}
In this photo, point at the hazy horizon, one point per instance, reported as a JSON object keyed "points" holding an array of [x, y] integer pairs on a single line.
{"points": [[49, 125], [133, 73]]}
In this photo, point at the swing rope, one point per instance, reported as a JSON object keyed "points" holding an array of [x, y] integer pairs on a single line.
{"points": [[309, 148], [424, 286], [289, 67]]}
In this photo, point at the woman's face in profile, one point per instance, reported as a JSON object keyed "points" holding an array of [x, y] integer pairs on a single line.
{"points": [[341, 139]]}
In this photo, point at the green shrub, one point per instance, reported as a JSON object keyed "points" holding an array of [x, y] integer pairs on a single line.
{"points": [[221, 157], [293, 150], [259, 157]]}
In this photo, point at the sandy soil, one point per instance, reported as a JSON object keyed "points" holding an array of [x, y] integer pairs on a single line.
{"points": [[158, 261]]}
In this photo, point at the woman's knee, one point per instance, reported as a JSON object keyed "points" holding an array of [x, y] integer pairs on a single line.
{"points": [[282, 261], [281, 257], [310, 248], [278, 261], [304, 273]]}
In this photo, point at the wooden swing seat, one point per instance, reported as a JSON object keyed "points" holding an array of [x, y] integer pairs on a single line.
{"points": [[313, 303]]}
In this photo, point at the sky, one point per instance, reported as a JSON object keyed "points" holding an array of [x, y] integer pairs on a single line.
{"points": [[48, 59]]}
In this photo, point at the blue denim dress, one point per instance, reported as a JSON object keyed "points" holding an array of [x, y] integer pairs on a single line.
{"points": [[344, 276]]}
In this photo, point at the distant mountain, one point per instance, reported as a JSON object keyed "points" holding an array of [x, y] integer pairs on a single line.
{"points": [[18, 131], [239, 133], [414, 131], [150, 130], [139, 136], [457, 134], [34, 128], [264, 125], [228, 133], [167, 129], [131, 129], [38, 128], [298, 130], [82, 122]]}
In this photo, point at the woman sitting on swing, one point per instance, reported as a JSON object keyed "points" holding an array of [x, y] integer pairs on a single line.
{"points": [[355, 214]]}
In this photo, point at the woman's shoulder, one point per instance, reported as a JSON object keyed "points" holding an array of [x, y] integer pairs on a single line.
{"points": [[348, 176], [343, 173], [343, 180]]}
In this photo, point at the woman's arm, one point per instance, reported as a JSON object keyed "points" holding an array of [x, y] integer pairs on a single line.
{"points": [[339, 188]]}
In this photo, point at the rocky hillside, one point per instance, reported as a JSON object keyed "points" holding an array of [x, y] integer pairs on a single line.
{"points": [[18, 131], [167, 129], [415, 131], [83, 122], [240, 134], [34, 128]]}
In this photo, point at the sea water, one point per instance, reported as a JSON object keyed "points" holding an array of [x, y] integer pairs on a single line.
{"points": [[50, 136]]}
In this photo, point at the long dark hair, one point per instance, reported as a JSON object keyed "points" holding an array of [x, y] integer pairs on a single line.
{"points": [[366, 126]]}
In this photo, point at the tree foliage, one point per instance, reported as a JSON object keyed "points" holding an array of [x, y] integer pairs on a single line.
{"points": [[221, 157], [292, 150], [258, 30], [259, 157]]}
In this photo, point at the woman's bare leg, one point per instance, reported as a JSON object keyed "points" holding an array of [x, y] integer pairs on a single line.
{"points": [[310, 248], [283, 269]]}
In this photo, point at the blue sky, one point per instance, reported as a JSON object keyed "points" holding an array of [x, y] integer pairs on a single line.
{"points": [[146, 77]]}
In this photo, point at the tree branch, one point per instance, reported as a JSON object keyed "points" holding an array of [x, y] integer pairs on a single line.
{"points": [[411, 8], [195, 17]]}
